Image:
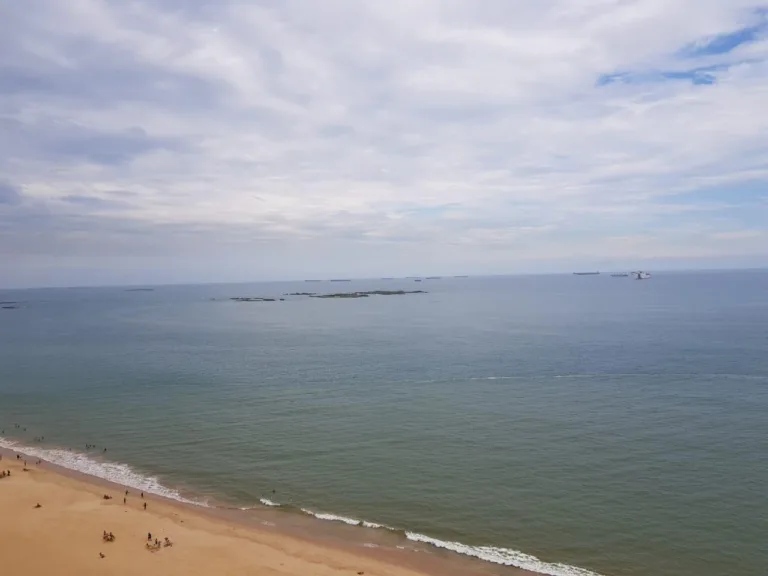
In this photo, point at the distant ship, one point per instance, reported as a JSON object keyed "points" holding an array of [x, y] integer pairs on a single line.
{"points": [[620, 275], [586, 273], [640, 275]]}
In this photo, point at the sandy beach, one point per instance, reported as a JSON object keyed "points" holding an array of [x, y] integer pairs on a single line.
{"points": [[64, 536]]}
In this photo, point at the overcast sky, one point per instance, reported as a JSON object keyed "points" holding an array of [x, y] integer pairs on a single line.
{"points": [[150, 141]]}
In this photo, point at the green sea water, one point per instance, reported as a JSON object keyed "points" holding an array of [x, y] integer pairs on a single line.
{"points": [[594, 423]]}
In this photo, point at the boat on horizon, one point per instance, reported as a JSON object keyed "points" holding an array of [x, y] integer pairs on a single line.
{"points": [[586, 273]]}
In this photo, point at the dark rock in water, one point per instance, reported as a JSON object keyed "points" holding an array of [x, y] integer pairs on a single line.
{"points": [[342, 295], [301, 294], [370, 293], [252, 299], [10, 307], [393, 292]]}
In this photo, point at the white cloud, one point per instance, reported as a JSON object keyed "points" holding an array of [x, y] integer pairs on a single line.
{"points": [[323, 125]]}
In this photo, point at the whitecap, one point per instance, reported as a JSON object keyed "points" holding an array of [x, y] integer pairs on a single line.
{"points": [[504, 556]]}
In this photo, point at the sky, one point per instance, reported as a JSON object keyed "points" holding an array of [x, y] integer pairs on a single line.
{"points": [[174, 141]]}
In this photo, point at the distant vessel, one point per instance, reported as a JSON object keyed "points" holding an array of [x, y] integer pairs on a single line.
{"points": [[640, 275], [620, 275], [586, 273]]}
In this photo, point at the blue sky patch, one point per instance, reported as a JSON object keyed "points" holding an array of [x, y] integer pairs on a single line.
{"points": [[724, 43], [703, 75]]}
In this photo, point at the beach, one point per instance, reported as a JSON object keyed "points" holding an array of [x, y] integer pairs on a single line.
{"points": [[65, 535]]}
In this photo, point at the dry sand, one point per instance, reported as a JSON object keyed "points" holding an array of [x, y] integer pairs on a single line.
{"points": [[64, 536]]}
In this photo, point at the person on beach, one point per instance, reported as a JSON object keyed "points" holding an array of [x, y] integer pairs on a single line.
{"points": [[125, 500], [145, 505], [142, 494], [149, 536]]}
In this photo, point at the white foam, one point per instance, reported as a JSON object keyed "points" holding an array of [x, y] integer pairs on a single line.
{"points": [[268, 502], [118, 473], [504, 556], [344, 519], [332, 517]]}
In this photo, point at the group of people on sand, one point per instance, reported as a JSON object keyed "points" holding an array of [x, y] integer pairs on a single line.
{"points": [[152, 544], [157, 544]]}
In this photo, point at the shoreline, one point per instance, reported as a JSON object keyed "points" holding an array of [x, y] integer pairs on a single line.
{"points": [[263, 523]]}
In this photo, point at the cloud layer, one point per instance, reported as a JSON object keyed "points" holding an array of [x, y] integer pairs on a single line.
{"points": [[192, 140]]}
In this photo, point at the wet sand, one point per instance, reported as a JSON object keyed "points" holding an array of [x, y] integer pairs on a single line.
{"points": [[64, 535]]}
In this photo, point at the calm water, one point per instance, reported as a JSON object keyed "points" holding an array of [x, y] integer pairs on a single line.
{"points": [[615, 425]]}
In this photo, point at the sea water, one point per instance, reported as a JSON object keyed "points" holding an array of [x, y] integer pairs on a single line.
{"points": [[570, 425]]}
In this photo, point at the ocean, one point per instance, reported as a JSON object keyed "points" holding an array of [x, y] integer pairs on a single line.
{"points": [[573, 425]]}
